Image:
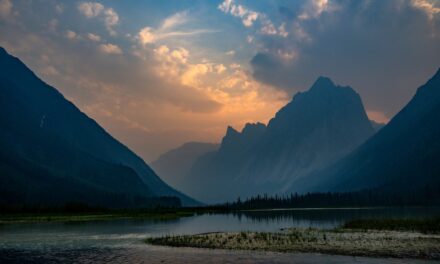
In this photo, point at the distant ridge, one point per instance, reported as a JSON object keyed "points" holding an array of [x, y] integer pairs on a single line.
{"points": [[175, 164]]}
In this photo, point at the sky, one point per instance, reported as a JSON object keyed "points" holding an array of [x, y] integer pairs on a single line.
{"points": [[156, 74]]}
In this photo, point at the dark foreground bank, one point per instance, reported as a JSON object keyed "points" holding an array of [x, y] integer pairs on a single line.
{"points": [[159, 255]]}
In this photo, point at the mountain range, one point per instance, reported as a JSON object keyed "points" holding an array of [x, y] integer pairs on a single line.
{"points": [[403, 156], [52, 153], [322, 140], [316, 128]]}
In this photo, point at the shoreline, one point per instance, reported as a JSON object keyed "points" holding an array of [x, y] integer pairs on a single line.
{"points": [[348, 242], [90, 217], [159, 255]]}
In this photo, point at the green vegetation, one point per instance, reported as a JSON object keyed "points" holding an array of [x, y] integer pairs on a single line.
{"points": [[90, 216], [426, 226], [80, 212], [426, 196], [342, 241]]}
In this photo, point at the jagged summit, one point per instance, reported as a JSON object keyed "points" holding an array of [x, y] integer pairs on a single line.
{"points": [[253, 128], [323, 82], [315, 128], [403, 155], [249, 130], [230, 131], [324, 87]]}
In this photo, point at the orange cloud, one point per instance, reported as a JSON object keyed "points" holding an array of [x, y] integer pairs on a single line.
{"points": [[378, 116]]}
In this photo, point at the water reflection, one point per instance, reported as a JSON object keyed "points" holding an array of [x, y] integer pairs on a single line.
{"points": [[329, 218], [126, 233]]}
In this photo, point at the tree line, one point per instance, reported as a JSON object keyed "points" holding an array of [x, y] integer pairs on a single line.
{"points": [[427, 196]]}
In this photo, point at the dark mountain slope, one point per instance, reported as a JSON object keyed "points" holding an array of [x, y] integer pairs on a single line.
{"points": [[376, 125], [41, 128], [316, 128], [212, 177], [403, 155]]}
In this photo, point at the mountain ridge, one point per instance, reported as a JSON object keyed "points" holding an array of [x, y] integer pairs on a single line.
{"points": [[402, 154], [56, 122], [316, 127]]}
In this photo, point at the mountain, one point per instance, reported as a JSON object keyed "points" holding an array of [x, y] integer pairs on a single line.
{"points": [[404, 155], [52, 153], [212, 177], [315, 129], [173, 165], [376, 125]]}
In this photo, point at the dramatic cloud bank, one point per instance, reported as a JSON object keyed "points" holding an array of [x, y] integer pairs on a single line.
{"points": [[158, 73]]}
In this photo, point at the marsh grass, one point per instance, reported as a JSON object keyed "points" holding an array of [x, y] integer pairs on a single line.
{"points": [[86, 217], [343, 241]]}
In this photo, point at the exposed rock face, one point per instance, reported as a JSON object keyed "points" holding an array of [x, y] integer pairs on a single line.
{"points": [[316, 128], [404, 155]]}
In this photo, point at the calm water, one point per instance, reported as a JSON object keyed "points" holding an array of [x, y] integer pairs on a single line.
{"points": [[36, 241]]}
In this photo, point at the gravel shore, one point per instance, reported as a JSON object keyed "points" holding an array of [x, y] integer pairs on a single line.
{"points": [[371, 243]]}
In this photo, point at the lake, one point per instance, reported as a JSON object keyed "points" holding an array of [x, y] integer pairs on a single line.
{"points": [[121, 240]]}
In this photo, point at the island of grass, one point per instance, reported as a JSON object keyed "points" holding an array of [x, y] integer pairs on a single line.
{"points": [[374, 238]]}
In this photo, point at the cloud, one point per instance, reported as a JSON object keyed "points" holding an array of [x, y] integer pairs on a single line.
{"points": [[178, 18], [90, 9], [282, 30], [354, 43], [59, 8], [111, 19], [169, 87], [220, 68], [427, 6], [71, 35], [268, 28], [5, 9], [110, 48], [232, 86], [167, 29], [93, 37], [95, 9], [165, 54], [172, 84], [378, 117], [314, 8], [49, 70], [146, 36], [248, 17], [53, 24]]}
